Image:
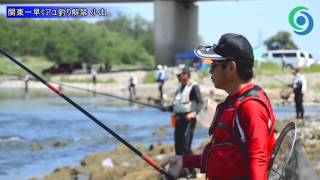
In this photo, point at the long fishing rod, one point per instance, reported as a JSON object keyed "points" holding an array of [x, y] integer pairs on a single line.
{"points": [[90, 90], [97, 92], [279, 81], [110, 95], [94, 119]]}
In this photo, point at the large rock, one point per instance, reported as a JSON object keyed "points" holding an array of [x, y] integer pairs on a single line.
{"points": [[110, 173], [142, 175], [63, 174], [37, 147], [162, 131]]}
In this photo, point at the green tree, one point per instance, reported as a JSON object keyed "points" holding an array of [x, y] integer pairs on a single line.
{"points": [[121, 40], [282, 40], [60, 46], [6, 35]]}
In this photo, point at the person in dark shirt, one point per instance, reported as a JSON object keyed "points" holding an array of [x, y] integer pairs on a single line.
{"points": [[187, 103], [299, 86]]}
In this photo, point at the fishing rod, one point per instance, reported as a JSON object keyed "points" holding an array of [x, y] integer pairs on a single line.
{"points": [[110, 95], [97, 92], [93, 118], [279, 81]]}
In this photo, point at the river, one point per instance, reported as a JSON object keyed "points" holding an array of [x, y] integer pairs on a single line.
{"points": [[41, 117]]}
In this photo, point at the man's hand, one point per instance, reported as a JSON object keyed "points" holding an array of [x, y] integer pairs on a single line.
{"points": [[191, 116], [175, 163]]}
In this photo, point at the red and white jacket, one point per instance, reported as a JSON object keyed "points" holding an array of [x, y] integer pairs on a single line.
{"points": [[242, 138]]}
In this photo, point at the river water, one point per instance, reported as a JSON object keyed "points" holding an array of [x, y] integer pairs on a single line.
{"points": [[42, 117]]}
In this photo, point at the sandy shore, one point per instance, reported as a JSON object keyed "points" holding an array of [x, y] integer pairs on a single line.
{"points": [[119, 85]]}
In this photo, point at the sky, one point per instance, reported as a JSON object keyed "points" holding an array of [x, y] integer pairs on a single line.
{"points": [[255, 19]]}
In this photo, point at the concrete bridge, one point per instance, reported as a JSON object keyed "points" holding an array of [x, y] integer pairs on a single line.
{"points": [[175, 24]]}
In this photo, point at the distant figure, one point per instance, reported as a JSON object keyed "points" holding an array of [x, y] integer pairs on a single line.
{"points": [[107, 66], [94, 76], [26, 83], [283, 62], [100, 69], [299, 88], [161, 78], [88, 67], [133, 80]]}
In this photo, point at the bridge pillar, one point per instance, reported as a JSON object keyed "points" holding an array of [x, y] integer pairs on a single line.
{"points": [[176, 29]]}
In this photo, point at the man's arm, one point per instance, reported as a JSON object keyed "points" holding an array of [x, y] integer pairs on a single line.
{"points": [[191, 161], [254, 118]]}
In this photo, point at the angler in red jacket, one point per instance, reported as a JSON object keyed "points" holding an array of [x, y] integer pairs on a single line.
{"points": [[242, 132]]}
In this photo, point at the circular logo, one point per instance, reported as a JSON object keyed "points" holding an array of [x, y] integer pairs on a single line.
{"points": [[300, 20]]}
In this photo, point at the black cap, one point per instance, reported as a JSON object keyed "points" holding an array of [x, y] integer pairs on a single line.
{"points": [[230, 47]]}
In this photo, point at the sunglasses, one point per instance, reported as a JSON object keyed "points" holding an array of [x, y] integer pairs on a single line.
{"points": [[214, 65]]}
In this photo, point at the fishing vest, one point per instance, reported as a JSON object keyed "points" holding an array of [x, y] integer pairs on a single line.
{"points": [[161, 76], [225, 156], [182, 103]]}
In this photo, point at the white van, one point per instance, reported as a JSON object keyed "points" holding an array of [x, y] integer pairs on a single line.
{"points": [[289, 58]]}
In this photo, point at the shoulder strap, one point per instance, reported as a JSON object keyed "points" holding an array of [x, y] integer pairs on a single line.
{"points": [[270, 125], [251, 95], [238, 129], [253, 92], [192, 83], [178, 89]]}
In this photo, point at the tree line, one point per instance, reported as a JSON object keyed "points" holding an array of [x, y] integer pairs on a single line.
{"points": [[121, 40]]}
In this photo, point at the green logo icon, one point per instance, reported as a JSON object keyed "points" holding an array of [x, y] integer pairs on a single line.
{"points": [[300, 20]]}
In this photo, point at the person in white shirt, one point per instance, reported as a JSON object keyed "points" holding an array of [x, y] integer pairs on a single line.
{"points": [[299, 85], [26, 81], [161, 78]]}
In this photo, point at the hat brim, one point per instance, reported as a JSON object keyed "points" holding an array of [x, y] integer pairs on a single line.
{"points": [[207, 61], [208, 54]]}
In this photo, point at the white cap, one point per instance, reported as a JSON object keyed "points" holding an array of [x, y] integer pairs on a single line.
{"points": [[182, 68]]}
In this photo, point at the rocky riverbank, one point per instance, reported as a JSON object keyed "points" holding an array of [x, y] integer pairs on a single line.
{"points": [[121, 163]]}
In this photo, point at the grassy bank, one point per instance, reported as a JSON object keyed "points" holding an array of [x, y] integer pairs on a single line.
{"points": [[89, 80], [266, 68]]}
